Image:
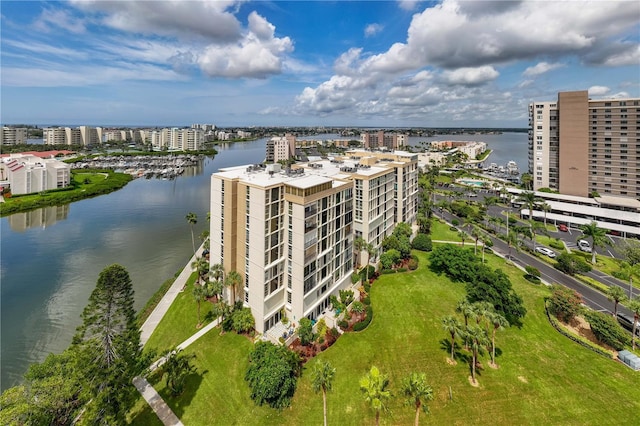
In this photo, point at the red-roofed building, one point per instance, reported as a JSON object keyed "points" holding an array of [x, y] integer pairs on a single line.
{"points": [[27, 173]]}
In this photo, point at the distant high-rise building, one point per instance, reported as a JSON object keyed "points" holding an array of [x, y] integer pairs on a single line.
{"points": [[380, 139], [54, 136], [13, 135], [280, 148], [579, 146]]}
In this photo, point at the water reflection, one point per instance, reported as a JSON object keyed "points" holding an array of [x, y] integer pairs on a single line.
{"points": [[46, 216]]}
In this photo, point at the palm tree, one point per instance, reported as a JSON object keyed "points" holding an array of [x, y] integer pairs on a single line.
{"points": [[233, 280], [371, 252], [322, 377], [530, 199], [451, 325], [499, 323], [198, 295], [477, 338], [358, 245], [466, 309], [463, 236], [634, 306], [476, 233], [546, 208], [626, 272], [374, 387], [536, 228], [202, 266], [417, 392], [598, 238], [615, 294], [192, 219]]}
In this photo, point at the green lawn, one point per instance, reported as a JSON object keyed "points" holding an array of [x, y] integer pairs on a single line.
{"points": [[180, 321], [544, 378], [440, 231]]}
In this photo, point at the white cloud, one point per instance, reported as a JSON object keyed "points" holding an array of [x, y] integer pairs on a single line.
{"points": [[461, 44], [408, 4], [372, 29], [257, 55], [52, 18], [84, 75], [541, 68], [212, 20], [471, 76], [598, 90], [46, 49]]}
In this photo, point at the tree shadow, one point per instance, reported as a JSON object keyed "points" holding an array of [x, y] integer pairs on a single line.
{"points": [[458, 354], [179, 403]]}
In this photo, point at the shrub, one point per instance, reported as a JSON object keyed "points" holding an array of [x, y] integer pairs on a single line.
{"points": [[357, 307], [388, 271], [366, 287], [422, 242], [281, 366], [412, 264], [355, 278], [571, 264], [533, 274], [242, 321], [564, 303], [607, 330], [343, 324], [371, 271], [401, 270], [334, 332], [364, 323], [366, 300], [321, 329], [455, 222], [556, 244], [390, 258], [305, 331], [346, 296]]}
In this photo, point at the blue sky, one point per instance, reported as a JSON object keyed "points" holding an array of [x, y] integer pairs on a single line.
{"points": [[343, 63]]}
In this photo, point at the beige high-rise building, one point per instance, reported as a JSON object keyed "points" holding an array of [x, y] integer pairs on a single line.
{"points": [[380, 139], [580, 146], [290, 232], [13, 135], [54, 136]]}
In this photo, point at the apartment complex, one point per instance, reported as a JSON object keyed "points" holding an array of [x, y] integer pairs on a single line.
{"points": [[380, 139], [579, 146], [471, 149], [83, 135], [27, 173], [290, 232], [13, 135], [280, 148]]}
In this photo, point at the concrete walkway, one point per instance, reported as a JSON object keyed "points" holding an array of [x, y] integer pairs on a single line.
{"points": [[155, 401], [161, 309]]}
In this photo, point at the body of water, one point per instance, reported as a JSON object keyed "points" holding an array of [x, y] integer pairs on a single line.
{"points": [[506, 146], [50, 258]]}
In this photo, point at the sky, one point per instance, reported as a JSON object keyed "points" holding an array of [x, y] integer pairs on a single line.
{"points": [[449, 63]]}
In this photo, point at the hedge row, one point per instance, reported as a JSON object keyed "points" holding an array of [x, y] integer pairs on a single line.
{"points": [[554, 322], [364, 323]]}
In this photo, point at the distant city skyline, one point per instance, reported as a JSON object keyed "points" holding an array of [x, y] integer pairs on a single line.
{"points": [[362, 64]]}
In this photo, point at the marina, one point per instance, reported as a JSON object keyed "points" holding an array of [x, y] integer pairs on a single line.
{"points": [[165, 167]]}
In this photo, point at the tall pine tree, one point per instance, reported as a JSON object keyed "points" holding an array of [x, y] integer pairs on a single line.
{"points": [[109, 343]]}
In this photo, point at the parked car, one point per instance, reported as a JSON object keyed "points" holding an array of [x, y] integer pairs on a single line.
{"points": [[584, 246], [614, 232], [627, 322], [562, 227], [546, 251]]}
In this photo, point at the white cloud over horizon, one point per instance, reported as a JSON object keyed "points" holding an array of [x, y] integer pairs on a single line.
{"points": [[399, 61]]}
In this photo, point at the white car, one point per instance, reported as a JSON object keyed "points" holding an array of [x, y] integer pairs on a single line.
{"points": [[584, 246], [546, 251]]}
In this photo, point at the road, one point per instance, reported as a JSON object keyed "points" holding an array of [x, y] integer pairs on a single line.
{"points": [[592, 297]]}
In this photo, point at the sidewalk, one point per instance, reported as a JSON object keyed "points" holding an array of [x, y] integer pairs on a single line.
{"points": [[161, 309], [155, 401]]}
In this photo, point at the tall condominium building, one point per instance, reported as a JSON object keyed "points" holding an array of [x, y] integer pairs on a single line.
{"points": [[380, 139], [280, 148], [54, 136], [13, 135], [290, 232], [579, 146]]}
